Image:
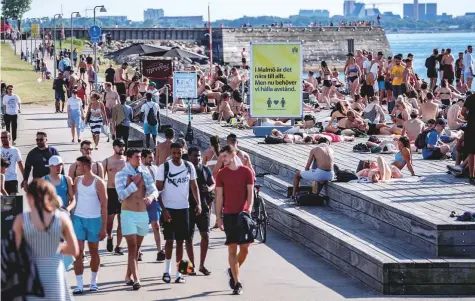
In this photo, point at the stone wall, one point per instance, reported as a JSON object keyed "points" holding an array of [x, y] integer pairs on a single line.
{"points": [[330, 43]]}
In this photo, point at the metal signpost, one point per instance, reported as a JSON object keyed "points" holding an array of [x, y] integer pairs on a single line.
{"points": [[95, 34]]}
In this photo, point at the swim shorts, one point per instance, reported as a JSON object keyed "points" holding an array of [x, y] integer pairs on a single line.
{"points": [[133, 222], [317, 175], [87, 228]]}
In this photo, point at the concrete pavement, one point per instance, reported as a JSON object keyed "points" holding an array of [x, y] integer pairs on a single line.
{"points": [[277, 270]]}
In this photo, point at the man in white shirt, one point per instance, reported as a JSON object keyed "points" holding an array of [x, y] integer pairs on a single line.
{"points": [[11, 108], [150, 122], [469, 67], [13, 155], [152, 88], [175, 177], [153, 209]]}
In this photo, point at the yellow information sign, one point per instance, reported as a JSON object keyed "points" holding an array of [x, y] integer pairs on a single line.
{"points": [[276, 80], [35, 30]]}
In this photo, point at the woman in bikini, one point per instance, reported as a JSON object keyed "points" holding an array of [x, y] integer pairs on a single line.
{"points": [[404, 156], [352, 72], [381, 172], [96, 116], [358, 105], [327, 84], [444, 93], [338, 118], [399, 116]]}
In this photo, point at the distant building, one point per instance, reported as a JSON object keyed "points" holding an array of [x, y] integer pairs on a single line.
{"points": [[152, 14], [390, 16], [444, 17], [348, 7], [316, 13], [431, 11], [408, 11], [189, 20]]}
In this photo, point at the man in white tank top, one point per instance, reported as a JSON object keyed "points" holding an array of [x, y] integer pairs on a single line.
{"points": [[89, 220]]}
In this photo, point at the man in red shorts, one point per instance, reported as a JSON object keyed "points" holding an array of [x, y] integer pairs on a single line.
{"points": [[234, 196]]}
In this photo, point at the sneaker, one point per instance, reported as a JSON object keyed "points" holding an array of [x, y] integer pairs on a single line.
{"points": [[161, 256], [237, 289], [110, 245], [85, 260], [456, 169], [118, 251], [231, 278], [140, 256]]}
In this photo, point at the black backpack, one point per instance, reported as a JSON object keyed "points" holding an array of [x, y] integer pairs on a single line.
{"points": [[271, 139], [427, 64], [167, 168], [307, 198], [151, 117], [420, 141]]}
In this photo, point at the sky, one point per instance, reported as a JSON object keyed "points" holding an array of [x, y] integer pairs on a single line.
{"points": [[226, 9]]}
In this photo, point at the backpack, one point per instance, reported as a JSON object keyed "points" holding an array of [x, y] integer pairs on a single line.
{"points": [[271, 139], [344, 175], [427, 64], [307, 198], [166, 166], [420, 141], [151, 117], [361, 148]]}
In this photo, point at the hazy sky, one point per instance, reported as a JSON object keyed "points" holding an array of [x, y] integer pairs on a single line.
{"points": [[226, 9]]}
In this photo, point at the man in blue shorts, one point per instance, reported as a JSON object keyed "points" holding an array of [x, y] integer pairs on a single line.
{"points": [[153, 209], [151, 119]]}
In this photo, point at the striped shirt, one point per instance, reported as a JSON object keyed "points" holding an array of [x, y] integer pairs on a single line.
{"points": [[125, 191]]}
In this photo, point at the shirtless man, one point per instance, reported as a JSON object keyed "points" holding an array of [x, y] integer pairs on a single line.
{"points": [[413, 127], [322, 155], [429, 109], [235, 78], [121, 79], [163, 151], [454, 119], [242, 157], [136, 190], [86, 150], [111, 99], [112, 166], [353, 121]]}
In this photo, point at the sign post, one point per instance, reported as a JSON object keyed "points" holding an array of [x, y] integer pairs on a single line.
{"points": [[157, 69], [276, 80], [95, 34], [185, 87]]}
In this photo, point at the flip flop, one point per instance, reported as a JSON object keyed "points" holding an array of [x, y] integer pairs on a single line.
{"points": [[166, 278], [205, 271], [129, 282], [136, 286]]}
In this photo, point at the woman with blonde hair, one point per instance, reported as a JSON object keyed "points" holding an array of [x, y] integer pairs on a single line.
{"points": [[42, 228], [352, 72], [399, 115]]}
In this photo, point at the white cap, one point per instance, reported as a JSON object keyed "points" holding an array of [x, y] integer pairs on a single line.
{"points": [[55, 161]]}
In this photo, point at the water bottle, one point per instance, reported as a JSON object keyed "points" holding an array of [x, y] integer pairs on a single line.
{"points": [[335, 123]]}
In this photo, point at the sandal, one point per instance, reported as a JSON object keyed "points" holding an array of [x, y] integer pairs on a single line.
{"points": [[205, 271], [129, 282], [136, 286], [180, 280], [166, 278], [78, 291]]}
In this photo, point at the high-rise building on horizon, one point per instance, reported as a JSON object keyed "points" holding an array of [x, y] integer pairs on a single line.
{"points": [[153, 13], [348, 7], [416, 10], [419, 11]]}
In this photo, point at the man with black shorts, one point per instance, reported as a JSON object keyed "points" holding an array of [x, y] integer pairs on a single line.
{"points": [[120, 79], [431, 65], [112, 166], [206, 185], [175, 177], [235, 198], [60, 88], [12, 155]]}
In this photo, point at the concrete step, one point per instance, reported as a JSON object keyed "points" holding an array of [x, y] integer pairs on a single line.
{"points": [[385, 263], [283, 186]]}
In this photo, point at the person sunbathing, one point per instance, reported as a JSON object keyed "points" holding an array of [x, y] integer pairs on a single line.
{"points": [[337, 118], [399, 115], [383, 172], [355, 122], [288, 138], [404, 156]]}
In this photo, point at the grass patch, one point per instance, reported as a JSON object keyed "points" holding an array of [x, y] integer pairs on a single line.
{"points": [[20, 74]]}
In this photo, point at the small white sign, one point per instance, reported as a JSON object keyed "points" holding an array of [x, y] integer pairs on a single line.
{"points": [[184, 85]]}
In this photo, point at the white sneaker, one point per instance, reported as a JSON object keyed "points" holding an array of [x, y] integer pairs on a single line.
{"points": [[455, 168]]}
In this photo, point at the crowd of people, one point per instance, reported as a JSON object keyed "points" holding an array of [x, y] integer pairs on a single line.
{"points": [[169, 187]]}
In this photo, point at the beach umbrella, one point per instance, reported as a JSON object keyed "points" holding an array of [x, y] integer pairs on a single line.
{"points": [[177, 52], [138, 49]]}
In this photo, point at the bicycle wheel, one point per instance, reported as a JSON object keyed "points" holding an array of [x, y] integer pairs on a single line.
{"points": [[262, 225], [255, 216]]}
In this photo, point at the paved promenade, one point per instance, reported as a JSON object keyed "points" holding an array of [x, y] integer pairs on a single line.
{"points": [[277, 270]]}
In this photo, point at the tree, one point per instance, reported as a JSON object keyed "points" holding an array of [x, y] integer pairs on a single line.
{"points": [[15, 9]]}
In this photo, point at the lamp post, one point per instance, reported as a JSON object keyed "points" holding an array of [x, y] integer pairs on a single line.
{"points": [[103, 10], [77, 15], [54, 44]]}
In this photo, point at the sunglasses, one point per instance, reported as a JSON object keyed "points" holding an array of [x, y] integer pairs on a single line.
{"points": [[88, 149], [40, 139]]}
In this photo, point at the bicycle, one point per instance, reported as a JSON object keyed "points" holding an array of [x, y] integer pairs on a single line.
{"points": [[259, 214]]}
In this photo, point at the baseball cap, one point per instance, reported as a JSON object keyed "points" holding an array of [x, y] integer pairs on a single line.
{"points": [[440, 121], [414, 112], [74, 91], [380, 53], [153, 84], [55, 161], [118, 142]]}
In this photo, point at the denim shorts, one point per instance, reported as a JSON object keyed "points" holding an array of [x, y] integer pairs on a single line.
{"points": [[317, 175], [154, 211]]}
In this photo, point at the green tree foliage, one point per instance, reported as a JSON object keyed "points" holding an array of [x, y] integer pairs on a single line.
{"points": [[15, 9]]}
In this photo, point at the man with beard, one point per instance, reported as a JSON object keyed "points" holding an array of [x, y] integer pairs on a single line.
{"points": [[86, 150], [112, 166], [38, 158]]}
